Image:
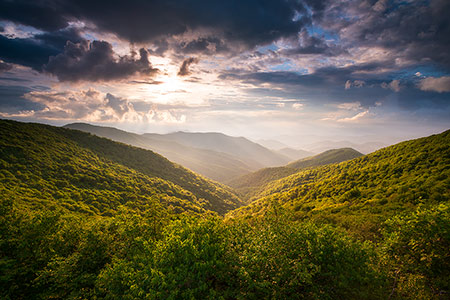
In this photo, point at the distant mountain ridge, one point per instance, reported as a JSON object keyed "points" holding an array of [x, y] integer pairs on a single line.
{"points": [[213, 155], [253, 153], [295, 154]]}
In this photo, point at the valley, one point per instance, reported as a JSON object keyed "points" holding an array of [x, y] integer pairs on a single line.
{"points": [[84, 216]]}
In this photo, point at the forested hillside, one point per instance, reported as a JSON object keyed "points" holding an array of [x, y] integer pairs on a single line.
{"points": [[328, 157], [49, 166], [82, 217], [251, 184], [361, 193]]}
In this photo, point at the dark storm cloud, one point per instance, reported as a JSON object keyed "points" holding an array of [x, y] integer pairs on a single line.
{"points": [[184, 69], [161, 46], [251, 22], [320, 78], [45, 15], [414, 30], [96, 61], [207, 45], [26, 52], [34, 52]]}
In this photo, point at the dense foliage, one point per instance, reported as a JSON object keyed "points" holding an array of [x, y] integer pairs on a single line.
{"points": [[325, 158], [49, 255], [48, 166], [154, 256], [86, 218], [251, 184], [360, 194]]}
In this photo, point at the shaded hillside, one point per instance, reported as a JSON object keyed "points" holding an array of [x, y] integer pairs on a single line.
{"points": [[49, 166], [254, 155], [251, 184], [212, 164], [325, 158], [363, 192]]}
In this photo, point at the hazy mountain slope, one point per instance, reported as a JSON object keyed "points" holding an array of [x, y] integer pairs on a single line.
{"points": [[50, 166], [295, 154], [325, 158], [271, 144], [213, 164], [254, 155], [361, 193], [365, 148], [250, 184]]}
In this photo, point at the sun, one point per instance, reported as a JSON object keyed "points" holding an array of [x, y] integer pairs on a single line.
{"points": [[171, 84]]}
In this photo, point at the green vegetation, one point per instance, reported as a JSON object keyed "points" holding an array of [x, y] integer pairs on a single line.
{"points": [[46, 255], [48, 166], [251, 184], [83, 217], [325, 158], [362, 193]]}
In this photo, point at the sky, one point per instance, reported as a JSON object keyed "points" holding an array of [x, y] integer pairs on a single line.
{"points": [[281, 69]]}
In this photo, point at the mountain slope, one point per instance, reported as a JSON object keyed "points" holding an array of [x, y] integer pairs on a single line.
{"points": [[251, 184], [295, 154], [254, 155], [213, 164], [50, 166], [365, 148], [325, 158], [365, 191]]}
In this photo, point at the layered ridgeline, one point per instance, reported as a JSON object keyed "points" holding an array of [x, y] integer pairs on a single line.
{"points": [[45, 166], [214, 155], [66, 251], [361, 193], [252, 184], [295, 154]]}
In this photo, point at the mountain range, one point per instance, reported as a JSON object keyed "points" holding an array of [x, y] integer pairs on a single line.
{"points": [[85, 217], [214, 155]]}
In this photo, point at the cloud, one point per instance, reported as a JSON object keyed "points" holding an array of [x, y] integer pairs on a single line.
{"points": [[26, 12], [34, 52], [96, 61], [297, 106], [350, 105], [355, 118], [205, 45], [355, 83], [92, 106], [393, 85], [251, 22], [309, 44], [4, 66], [184, 69], [435, 84], [12, 101], [412, 32]]}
